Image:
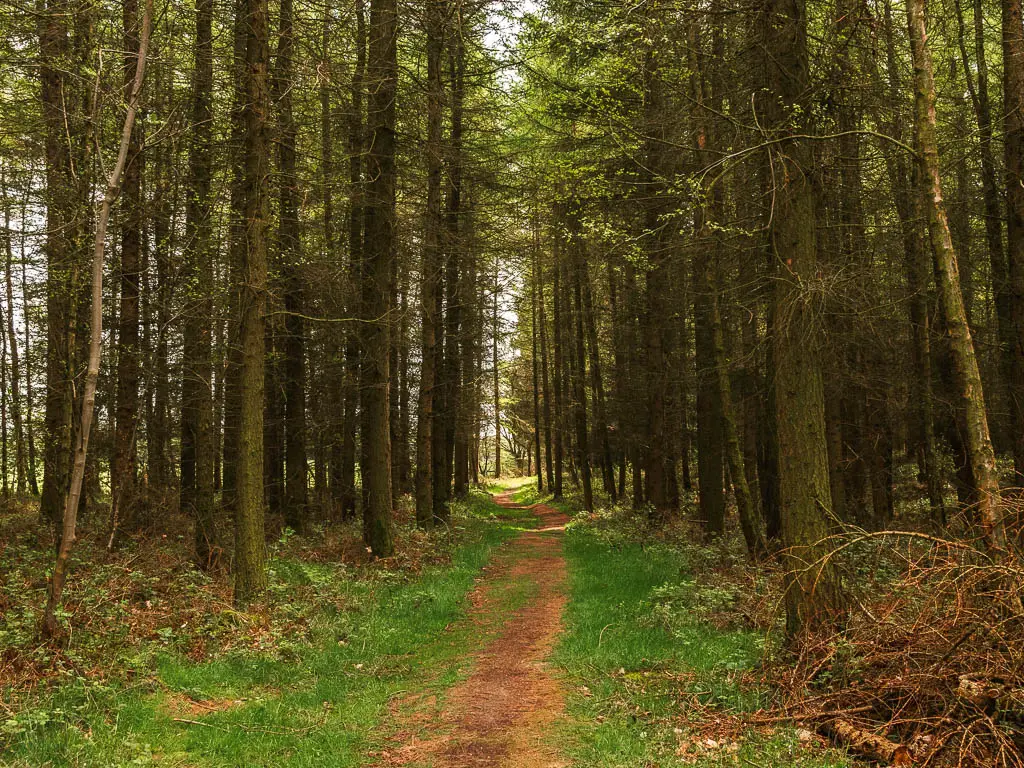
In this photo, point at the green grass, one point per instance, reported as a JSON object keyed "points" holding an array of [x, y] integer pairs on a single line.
{"points": [[318, 703], [645, 671]]}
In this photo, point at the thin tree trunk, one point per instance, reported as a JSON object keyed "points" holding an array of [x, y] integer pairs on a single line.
{"points": [[534, 322], [296, 496], [403, 460], [597, 383], [497, 379], [356, 220], [49, 625], [430, 271], [579, 380], [904, 180], [556, 333], [465, 404], [965, 365], [20, 463], [548, 459], [33, 480], [123, 464], [5, 484], [989, 185], [197, 438]]}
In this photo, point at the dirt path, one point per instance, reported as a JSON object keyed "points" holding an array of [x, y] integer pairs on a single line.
{"points": [[501, 714]]}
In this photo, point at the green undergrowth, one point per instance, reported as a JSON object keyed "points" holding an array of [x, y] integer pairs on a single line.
{"points": [[315, 701], [651, 676]]}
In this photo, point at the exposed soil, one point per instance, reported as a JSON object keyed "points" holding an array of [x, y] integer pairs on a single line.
{"points": [[501, 715]]}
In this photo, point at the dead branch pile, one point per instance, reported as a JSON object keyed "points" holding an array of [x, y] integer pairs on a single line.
{"points": [[929, 670]]}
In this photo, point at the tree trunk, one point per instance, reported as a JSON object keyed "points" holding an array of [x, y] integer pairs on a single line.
{"points": [[495, 332], [814, 595], [197, 438], [296, 495], [431, 269], [545, 384], [469, 331], [64, 110], [965, 365], [597, 383], [904, 182], [356, 220], [49, 625], [20, 463], [576, 246], [250, 548], [375, 379], [556, 334], [1013, 108], [33, 481], [534, 350], [657, 337], [123, 463], [990, 186], [403, 460]]}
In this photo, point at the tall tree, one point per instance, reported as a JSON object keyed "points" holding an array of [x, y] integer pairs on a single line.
{"points": [[1013, 148], [65, 106], [814, 594], [980, 454], [250, 548], [431, 267], [49, 625], [382, 80], [123, 462], [294, 365], [20, 458], [197, 439]]}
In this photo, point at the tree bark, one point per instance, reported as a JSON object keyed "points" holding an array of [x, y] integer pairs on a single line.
{"points": [[545, 383], [123, 463], [814, 595], [49, 626], [556, 333], [965, 365], [250, 548], [534, 349], [64, 107], [382, 79], [430, 269], [197, 438], [296, 490], [576, 246], [1013, 147], [356, 221], [495, 333], [20, 459]]}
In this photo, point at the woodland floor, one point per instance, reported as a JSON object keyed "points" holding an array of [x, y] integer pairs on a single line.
{"points": [[526, 635]]}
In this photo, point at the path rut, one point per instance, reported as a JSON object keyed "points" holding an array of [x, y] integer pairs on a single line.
{"points": [[501, 714]]}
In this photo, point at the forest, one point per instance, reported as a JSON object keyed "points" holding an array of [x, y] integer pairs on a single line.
{"points": [[512, 383]]}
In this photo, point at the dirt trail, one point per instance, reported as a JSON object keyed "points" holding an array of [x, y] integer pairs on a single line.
{"points": [[501, 715]]}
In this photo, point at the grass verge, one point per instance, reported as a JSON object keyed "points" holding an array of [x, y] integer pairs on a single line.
{"points": [[318, 701], [651, 679]]}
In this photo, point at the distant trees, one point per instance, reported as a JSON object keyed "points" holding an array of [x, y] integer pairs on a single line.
{"points": [[682, 249]]}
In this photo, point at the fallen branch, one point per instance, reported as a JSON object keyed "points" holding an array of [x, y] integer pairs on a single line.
{"points": [[866, 743]]}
